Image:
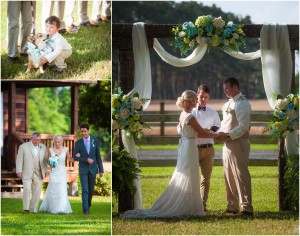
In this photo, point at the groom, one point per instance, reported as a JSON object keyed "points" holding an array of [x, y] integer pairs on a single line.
{"points": [[87, 152]]}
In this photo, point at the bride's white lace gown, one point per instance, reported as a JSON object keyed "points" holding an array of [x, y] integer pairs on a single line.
{"points": [[182, 196], [56, 197]]}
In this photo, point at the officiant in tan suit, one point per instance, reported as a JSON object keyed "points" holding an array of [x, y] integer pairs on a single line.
{"points": [[31, 166], [235, 128]]}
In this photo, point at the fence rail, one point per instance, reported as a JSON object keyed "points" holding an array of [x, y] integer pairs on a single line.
{"points": [[164, 119]]}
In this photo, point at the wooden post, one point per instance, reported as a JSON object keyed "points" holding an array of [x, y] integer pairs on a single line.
{"points": [[125, 201], [162, 123], [126, 82], [281, 170], [73, 187], [11, 159], [74, 111]]}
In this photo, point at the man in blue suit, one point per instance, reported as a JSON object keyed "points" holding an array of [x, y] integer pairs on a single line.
{"points": [[87, 152]]}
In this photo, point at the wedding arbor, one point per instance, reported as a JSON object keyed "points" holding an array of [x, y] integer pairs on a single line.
{"points": [[124, 42]]}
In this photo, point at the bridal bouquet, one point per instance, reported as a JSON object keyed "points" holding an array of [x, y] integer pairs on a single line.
{"points": [[213, 31], [53, 161], [285, 117], [125, 113]]}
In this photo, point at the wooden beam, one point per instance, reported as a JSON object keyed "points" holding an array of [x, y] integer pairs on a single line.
{"points": [[74, 110], [11, 152], [122, 34]]}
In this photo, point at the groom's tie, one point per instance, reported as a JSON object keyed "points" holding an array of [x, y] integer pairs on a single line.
{"points": [[87, 145]]}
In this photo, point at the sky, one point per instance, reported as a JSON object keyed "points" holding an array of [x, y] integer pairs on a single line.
{"points": [[281, 12]]}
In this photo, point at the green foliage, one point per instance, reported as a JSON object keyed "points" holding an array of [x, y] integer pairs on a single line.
{"points": [[291, 182], [49, 110], [95, 104], [103, 185], [124, 171]]}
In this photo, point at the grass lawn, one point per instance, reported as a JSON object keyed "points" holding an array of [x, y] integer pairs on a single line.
{"points": [[14, 222], [216, 147], [267, 219], [90, 60]]}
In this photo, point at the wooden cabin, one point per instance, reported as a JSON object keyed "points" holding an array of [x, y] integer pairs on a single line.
{"points": [[14, 96]]}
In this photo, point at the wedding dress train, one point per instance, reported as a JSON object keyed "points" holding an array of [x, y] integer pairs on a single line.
{"points": [[182, 196], [56, 197]]}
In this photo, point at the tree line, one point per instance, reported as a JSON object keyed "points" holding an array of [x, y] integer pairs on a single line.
{"points": [[167, 81]]}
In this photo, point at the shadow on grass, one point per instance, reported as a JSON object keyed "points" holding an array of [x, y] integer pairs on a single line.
{"points": [[218, 216]]}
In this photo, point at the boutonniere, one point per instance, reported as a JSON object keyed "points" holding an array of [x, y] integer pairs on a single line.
{"points": [[228, 110], [93, 142], [40, 146]]}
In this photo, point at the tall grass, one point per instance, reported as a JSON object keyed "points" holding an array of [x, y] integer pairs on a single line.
{"points": [[267, 220], [90, 60], [14, 222]]}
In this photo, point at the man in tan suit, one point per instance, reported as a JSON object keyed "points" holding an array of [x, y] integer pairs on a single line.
{"points": [[31, 166], [235, 128]]}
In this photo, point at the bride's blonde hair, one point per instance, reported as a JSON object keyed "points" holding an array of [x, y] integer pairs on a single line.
{"points": [[183, 101], [58, 137]]}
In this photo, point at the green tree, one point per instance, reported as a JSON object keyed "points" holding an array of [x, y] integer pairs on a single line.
{"points": [[48, 110]]}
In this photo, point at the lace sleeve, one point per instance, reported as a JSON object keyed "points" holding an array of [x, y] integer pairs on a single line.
{"points": [[187, 119]]}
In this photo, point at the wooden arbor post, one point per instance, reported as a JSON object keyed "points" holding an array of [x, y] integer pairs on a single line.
{"points": [[122, 40]]}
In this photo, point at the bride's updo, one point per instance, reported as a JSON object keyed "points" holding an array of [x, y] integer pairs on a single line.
{"points": [[183, 102]]}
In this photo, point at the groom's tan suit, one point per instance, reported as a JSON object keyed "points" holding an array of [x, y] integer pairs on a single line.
{"points": [[236, 122], [32, 162]]}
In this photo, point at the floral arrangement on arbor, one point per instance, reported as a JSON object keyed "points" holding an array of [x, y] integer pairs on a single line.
{"points": [[213, 31], [125, 114], [285, 117]]}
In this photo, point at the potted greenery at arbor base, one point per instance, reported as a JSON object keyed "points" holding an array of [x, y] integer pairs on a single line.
{"points": [[285, 120], [125, 171]]}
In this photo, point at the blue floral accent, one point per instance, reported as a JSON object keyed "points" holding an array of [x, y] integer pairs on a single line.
{"points": [[285, 117], [125, 113], [211, 31]]}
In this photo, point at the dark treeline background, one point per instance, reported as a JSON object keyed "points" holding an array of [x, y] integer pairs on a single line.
{"points": [[168, 81]]}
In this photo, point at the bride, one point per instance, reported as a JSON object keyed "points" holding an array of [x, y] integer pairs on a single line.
{"points": [[56, 197], [182, 196]]}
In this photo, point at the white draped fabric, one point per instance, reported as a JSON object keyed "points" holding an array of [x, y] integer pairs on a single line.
{"points": [[275, 56], [276, 60]]}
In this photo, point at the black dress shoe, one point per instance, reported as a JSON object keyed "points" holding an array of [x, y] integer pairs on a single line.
{"points": [[14, 60], [246, 214], [23, 54], [86, 24], [26, 211], [229, 212], [86, 212]]}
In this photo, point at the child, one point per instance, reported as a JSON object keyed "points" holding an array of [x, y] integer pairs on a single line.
{"points": [[62, 49]]}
